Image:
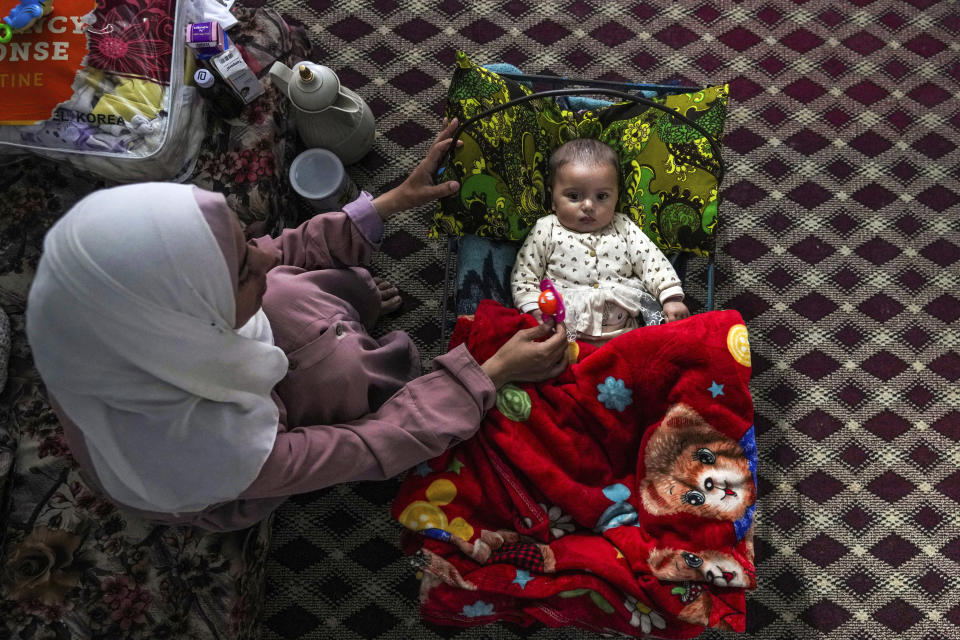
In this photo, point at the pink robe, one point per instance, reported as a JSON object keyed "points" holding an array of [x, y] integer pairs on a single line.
{"points": [[352, 407]]}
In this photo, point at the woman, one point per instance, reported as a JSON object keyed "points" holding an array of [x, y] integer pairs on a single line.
{"points": [[202, 379]]}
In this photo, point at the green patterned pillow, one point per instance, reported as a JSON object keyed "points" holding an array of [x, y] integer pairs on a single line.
{"points": [[668, 184], [502, 164], [668, 169]]}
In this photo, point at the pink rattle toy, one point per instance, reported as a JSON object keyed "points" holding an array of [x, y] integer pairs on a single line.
{"points": [[551, 306], [550, 302]]}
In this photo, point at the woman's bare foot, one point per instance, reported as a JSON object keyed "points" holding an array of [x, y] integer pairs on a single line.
{"points": [[390, 299]]}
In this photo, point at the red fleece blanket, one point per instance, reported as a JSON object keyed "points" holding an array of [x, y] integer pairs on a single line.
{"points": [[618, 497]]}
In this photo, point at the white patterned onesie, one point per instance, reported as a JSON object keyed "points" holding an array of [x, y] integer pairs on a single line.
{"points": [[606, 277]]}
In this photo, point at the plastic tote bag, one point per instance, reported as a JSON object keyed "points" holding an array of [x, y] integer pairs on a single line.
{"points": [[100, 84]]}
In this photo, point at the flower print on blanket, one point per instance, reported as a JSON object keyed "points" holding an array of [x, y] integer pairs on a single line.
{"points": [[133, 38], [623, 503]]}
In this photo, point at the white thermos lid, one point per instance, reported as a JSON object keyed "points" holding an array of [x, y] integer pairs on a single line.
{"points": [[204, 78]]}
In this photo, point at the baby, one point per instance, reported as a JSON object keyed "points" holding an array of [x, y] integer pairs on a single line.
{"points": [[604, 266]]}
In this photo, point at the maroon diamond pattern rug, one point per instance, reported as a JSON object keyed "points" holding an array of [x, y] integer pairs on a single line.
{"points": [[839, 245]]}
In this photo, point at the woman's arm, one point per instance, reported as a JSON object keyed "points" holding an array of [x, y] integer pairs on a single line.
{"points": [[419, 422], [418, 189], [330, 240], [427, 416], [348, 238]]}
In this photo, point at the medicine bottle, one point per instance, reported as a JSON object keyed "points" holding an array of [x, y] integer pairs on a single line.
{"points": [[224, 102]]}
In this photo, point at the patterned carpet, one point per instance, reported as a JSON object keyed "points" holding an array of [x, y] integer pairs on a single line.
{"points": [[839, 245]]}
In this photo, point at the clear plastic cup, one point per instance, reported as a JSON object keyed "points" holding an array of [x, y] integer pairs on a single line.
{"points": [[318, 176]]}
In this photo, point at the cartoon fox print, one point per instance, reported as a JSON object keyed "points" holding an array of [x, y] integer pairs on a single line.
{"points": [[693, 468], [709, 565]]}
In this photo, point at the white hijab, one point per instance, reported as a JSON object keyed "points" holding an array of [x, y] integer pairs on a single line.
{"points": [[130, 319]]}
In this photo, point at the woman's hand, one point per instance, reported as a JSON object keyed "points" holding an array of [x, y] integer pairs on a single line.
{"points": [[522, 359], [418, 189], [675, 310]]}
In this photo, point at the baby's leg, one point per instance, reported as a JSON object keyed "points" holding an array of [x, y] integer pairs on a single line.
{"points": [[615, 317], [616, 321]]}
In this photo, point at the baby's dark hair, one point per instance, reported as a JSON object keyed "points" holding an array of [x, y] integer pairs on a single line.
{"points": [[583, 150]]}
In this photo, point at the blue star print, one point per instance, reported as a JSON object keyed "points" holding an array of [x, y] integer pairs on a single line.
{"points": [[620, 513], [715, 389], [523, 577], [616, 492], [423, 469], [614, 394], [477, 609]]}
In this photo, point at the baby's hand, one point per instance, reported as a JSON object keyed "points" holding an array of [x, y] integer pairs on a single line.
{"points": [[675, 310], [537, 314]]}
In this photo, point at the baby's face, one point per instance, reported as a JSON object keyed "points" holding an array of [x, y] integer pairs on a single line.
{"points": [[585, 196]]}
